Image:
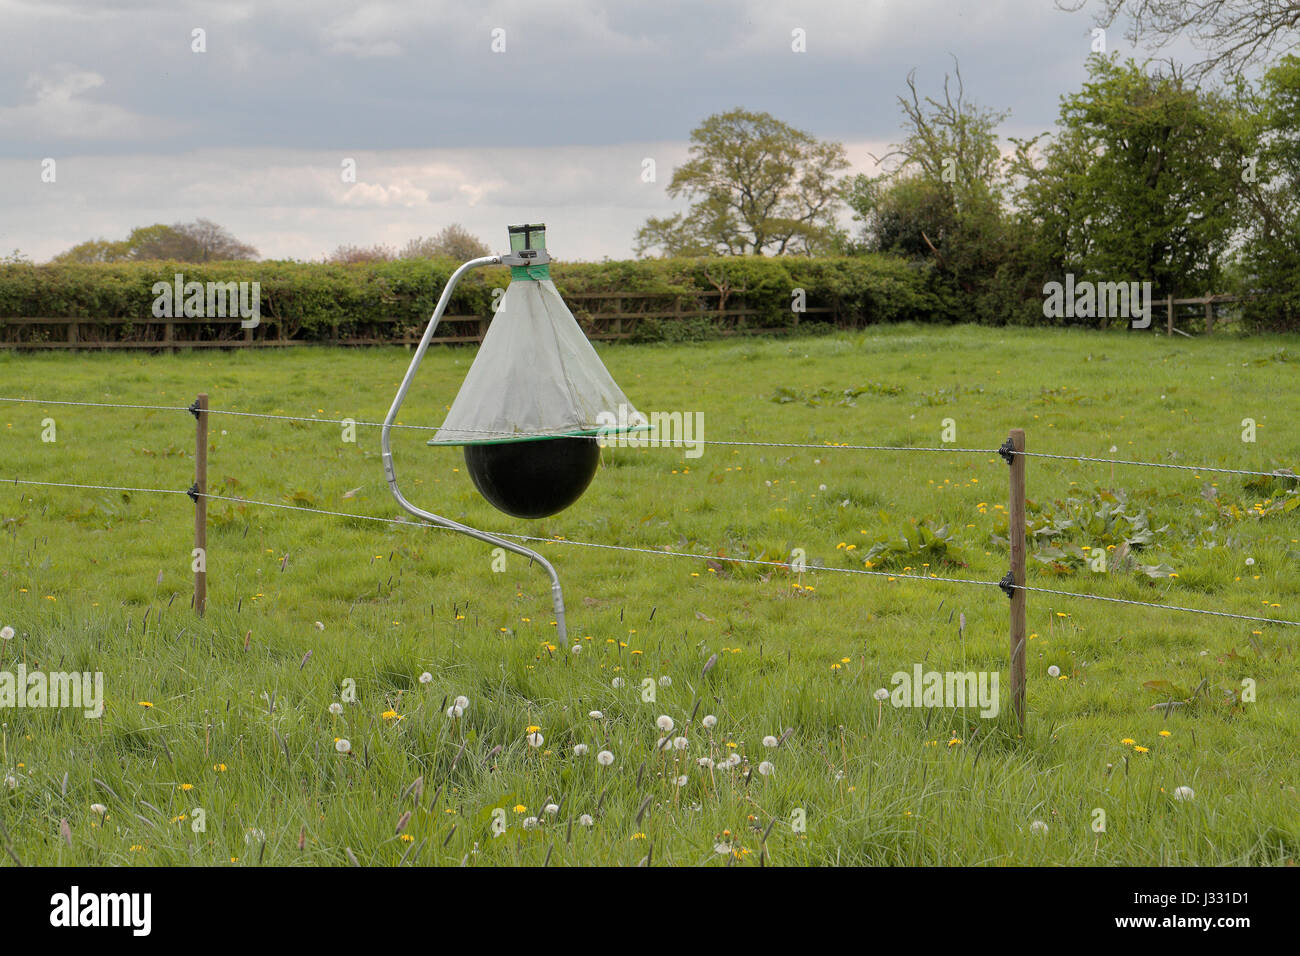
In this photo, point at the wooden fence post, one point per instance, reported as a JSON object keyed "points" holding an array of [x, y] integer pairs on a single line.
{"points": [[1019, 630], [199, 495], [1169, 314]]}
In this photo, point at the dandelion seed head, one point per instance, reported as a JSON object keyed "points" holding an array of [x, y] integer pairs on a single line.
{"points": [[426, 678], [1038, 826], [336, 708], [681, 743], [765, 768], [769, 741], [6, 633], [709, 721], [1053, 671], [579, 750], [1184, 793], [343, 745], [881, 694], [604, 758], [585, 820], [535, 739], [664, 723]]}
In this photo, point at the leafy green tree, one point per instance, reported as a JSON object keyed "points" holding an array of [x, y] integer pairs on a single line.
{"points": [[756, 186], [199, 241], [1270, 253], [95, 250], [1141, 182]]}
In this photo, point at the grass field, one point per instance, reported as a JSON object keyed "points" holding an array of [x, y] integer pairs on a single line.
{"points": [[230, 715]]}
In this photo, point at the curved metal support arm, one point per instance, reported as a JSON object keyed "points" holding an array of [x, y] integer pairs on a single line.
{"points": [[557, 596]]}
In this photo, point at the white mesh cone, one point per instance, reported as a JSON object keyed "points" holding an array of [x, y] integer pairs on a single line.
{"points": [[535, 375]]}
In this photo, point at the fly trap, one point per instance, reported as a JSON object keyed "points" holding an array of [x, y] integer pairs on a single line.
{"points": [[532, 406]]}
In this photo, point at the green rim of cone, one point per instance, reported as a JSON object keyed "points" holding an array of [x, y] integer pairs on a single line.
{"points": [[536, 273]]}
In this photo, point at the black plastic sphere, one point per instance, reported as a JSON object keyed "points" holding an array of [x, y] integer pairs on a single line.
{"points": [[533, 479]]}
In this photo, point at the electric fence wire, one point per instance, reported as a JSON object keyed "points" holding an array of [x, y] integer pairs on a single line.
{"points": [[1276, 473], [891, 575]]}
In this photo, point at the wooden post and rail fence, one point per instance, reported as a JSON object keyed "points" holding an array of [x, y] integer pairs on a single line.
{"points": [[607, 316], [602, 315]]}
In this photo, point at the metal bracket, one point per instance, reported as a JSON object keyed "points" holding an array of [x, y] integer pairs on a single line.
{"points": [[194, 408], [525, 257], [1008, 452], [386, 452], [193, 492], [1008, 584]]}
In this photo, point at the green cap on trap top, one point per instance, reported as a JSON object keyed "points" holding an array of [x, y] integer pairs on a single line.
{"points": [[525, 238]]}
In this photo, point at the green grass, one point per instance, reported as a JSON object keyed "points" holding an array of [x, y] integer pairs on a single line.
{"points": [[100, 581]]}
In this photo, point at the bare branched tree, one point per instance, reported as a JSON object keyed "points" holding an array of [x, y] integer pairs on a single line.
{"points": [[1233, 34], [453, 242], [349, 254]]}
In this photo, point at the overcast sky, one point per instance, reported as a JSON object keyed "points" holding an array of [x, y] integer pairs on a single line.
{"points": [[253, 132]]}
